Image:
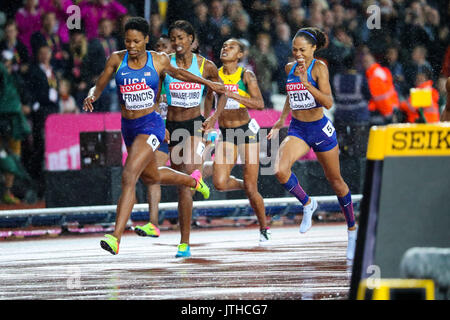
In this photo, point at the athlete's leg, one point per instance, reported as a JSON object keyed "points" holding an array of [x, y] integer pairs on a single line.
{"points": [[291, 149], [330, 164], [140, 156], [154, 190], [192, 160], [250, 154], [224, 160]]}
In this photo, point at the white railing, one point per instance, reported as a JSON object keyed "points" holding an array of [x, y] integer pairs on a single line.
{"points": [[164, 206]]}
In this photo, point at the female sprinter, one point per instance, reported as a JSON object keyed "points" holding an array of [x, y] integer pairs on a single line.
{"points": [[309, 91], [184, 119], [137, 72], [239, 132], [151, 229]]}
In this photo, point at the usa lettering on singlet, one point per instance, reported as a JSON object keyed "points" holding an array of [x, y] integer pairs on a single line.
{"points": [[299, 97], [185, 94], [137, 96], [137, 88]]}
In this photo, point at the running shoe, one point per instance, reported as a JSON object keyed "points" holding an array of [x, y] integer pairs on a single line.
{"points": [[184, 251], [110, 244], [201, 186], [264, 235], [307, 215], [148, 230], [351, 245], [9, 198]]}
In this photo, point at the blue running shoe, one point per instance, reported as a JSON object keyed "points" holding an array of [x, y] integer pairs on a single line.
{"points": [[184, 251]]}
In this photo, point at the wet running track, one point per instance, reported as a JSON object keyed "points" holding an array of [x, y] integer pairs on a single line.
{"points": [[226, 263]]}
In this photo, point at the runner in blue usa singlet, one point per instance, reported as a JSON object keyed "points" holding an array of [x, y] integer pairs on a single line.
{"points": [[308, 92], [137, 72]]}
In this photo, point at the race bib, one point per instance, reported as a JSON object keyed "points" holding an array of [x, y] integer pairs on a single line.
{"points": [[200, 148], [185, 94], [328, 129], [153, 142], [299, 97], [253, 126], [231, 103], [137, 96]]}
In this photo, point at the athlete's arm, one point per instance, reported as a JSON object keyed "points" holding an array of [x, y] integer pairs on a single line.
{"points": [[280, 123], [164, 65], [445, 116], [112, 64], [212, 74], [286, 109], [255, 101], [208, 104], [323, 94]]}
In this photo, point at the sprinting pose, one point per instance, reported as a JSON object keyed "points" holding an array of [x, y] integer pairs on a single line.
{"points": [[184, 118], [240, 133], [151, 229], [137, 72], [308, 92]]}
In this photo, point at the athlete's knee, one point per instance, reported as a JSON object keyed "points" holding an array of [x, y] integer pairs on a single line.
{"points": [[251, 188], [337, 183], [150, 179], [220, 183], [129, 177], [282, 174]]}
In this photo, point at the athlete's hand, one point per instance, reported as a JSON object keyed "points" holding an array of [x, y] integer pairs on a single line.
{"points": [[217, 87], [209, 123], [301, 70], [87, 104], [167, 136], [275, 129]]}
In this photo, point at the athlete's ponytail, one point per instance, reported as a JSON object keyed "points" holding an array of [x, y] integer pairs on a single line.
{"points": [[314, 36]]}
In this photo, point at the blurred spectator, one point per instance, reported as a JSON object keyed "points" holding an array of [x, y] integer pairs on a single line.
{"points": [[47, 36], [296, 19], [245, 61], [119, 32], [414, 27], [340, 47], [430, 113], [351, 116], [240, 28], [266, 64], [59, 8], [208, 34], [28, 21], [338, 14], [417, 64], [80, 70], [42, 83], [384, 98], [179, 10], [217, 17], [156, 29], [95, 54], [67, 103], [12, 44], [282, 49], [92, 11], [396, 69], [13, 129]]}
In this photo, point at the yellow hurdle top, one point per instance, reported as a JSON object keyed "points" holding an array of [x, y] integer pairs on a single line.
{"points": [[399, 140]]}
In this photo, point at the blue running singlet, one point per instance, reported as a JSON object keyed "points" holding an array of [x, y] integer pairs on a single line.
{"points": [[137, 88]]}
